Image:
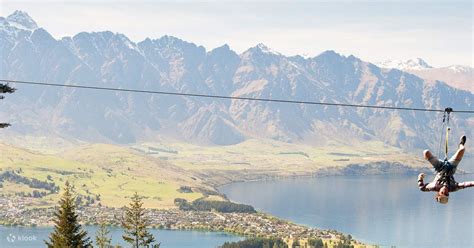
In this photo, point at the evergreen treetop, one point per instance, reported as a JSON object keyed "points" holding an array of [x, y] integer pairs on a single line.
{"points": [[5, 88], [102, 237], [135, 223], [67, 232]]}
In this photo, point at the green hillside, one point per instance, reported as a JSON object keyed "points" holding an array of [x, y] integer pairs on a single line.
{"points": [[109, 173], [260, 159]]}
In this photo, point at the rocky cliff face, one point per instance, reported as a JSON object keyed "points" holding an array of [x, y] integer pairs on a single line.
{"points": [[170, 64]]}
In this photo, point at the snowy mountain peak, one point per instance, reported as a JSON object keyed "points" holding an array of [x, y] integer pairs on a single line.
{"points": [[263, 48], [21, 20], [410, 64]]}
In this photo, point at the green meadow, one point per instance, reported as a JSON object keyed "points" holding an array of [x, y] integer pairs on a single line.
{"points": [[107, 172]]}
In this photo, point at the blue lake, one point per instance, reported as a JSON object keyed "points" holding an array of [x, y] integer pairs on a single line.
{"points": [[33, 237], [383, 210]]}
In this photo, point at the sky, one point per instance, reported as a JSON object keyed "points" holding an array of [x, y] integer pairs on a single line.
{"points": [[440, 32]]}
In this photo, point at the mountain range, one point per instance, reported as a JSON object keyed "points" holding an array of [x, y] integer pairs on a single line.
{"points": [[108, 59], [458, 76]]}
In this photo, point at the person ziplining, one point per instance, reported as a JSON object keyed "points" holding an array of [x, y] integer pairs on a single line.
{"points": [[444, 181]]}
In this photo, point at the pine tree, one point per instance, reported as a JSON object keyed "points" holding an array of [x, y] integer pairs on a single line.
{"points": [[102, 238], [316, 243], [5, 88], [67, 232], [135, 224], [296, 243]]}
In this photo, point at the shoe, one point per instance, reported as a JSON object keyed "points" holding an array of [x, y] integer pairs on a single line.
{"points": [[463, 140]]}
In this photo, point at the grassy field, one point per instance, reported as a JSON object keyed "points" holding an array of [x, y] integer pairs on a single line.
{"points": [[113, 173], [156, 171], [270, 158]]}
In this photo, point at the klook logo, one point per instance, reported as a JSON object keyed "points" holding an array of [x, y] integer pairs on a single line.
{"points": [[11, 238]]}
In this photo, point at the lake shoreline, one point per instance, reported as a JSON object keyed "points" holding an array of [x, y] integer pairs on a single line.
{"points": [[373, 168]]}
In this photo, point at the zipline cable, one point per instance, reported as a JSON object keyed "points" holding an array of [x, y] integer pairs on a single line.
{"points": [[441, 134], [231, 97]]}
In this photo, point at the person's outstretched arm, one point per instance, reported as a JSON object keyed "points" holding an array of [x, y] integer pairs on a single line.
{"points": [[464, 185], [425, 187]]}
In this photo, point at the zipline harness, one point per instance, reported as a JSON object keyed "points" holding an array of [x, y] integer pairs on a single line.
{"points": [[447, 168]]}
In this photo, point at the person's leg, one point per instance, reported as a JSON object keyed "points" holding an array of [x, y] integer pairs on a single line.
{"points": [[432, 159], [458, 155], [456, 158]]}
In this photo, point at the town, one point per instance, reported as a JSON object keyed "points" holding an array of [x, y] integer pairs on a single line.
{"points": [[15, 211]]}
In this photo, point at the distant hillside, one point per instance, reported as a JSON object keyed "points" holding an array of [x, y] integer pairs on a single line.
{"points": [[170, 64], [457, 76]]}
